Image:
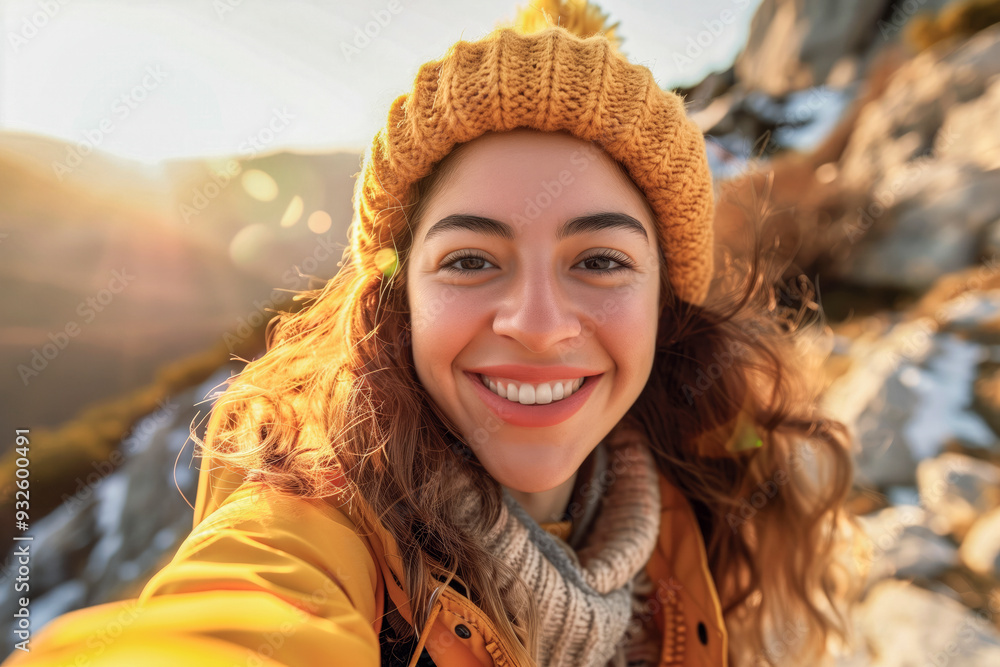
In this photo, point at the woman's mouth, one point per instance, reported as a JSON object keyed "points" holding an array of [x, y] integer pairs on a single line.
{"points": [[532, 393], [537, 404]]}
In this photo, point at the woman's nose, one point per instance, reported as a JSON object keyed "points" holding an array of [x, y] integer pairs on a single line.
{"points": [[537, 311]]}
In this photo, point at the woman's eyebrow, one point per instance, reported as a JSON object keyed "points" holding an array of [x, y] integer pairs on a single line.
{"points": [[579, 225]]}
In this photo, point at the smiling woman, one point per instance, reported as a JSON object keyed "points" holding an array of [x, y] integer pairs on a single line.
{"points": [[521, 424]]}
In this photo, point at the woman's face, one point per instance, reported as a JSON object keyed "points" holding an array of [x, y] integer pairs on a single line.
{"points": [[537, 256]]}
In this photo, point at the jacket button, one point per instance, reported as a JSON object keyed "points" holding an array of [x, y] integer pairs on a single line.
{"points": [[702, 633], [462, 631]]}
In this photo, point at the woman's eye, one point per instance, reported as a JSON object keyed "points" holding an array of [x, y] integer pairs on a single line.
{"points": [[597, 261], [466, 264], [472, 263]]}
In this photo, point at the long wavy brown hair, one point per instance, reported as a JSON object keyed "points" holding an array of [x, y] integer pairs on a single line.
{"points": [[334, 407]]}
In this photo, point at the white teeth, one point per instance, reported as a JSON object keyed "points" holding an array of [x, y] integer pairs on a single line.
{"points": [[558, 392], [528, 394]]}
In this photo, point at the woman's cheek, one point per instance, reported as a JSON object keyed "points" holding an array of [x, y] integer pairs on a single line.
{"points": [[429, 306], [446, 312], [631, 325]]}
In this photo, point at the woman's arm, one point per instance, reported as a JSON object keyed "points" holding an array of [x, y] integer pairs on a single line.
{"points": [[267, 579]]}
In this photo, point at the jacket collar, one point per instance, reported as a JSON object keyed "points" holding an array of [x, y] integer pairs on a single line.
{"points": [[680, 564]]}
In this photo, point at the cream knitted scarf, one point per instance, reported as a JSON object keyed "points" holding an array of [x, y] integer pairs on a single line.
{"points": [[587, 598]]}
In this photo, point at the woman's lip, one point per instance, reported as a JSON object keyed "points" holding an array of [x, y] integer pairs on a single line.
{"points": [[533, 416], [535, 374]]}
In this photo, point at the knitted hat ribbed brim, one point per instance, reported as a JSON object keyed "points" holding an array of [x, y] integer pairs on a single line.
{"points": [[549, 80]]}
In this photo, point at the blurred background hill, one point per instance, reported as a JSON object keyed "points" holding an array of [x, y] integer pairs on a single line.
{"points": [[197, 261], [862, 141]]}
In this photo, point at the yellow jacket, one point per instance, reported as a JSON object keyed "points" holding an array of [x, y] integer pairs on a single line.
{"points": [[268, 579]]}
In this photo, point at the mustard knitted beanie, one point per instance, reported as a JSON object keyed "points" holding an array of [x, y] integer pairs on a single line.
{"points": [[549, 80]]}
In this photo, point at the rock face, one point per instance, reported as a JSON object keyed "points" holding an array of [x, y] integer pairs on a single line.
{"points": [[947, 83], [922, 160], [901, 625], [957, 489], [906, 391], [893, 181], [929, 228], [794, 44], [905, 384], [905, 546], [970, 131], [981, 546]]}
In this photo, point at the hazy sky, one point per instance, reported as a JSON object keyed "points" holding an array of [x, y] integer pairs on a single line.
{"points": [[179, 78]]}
